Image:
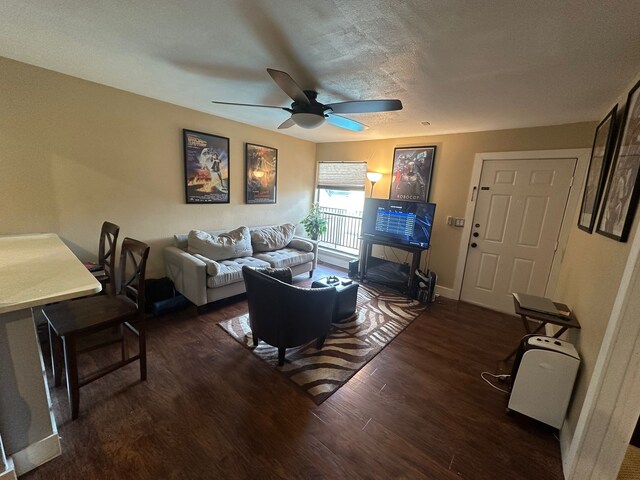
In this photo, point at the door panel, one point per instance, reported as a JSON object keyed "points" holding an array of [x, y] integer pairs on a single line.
{"points": [[535, 211], [487, 272], [521, 275], [497, 222], [520, 207]]}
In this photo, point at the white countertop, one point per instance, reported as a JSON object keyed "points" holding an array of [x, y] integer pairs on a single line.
{"points": [[36, 269]]}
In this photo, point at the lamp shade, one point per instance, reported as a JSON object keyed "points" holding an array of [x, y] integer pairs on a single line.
{"points": [[374, 176], [307, 120]]}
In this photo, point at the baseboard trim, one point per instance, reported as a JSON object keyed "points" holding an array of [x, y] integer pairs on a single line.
{"points": [[446, 292], [338, 259], [36, 454]]}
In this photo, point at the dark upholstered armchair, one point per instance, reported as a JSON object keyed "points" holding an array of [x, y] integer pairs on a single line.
{"points": [[284, 315]]}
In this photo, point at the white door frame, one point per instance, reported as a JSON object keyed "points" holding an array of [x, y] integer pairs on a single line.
{"points": [[581, 154]]}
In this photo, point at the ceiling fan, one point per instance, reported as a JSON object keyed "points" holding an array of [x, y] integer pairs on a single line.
{"points": [[307, 112]]}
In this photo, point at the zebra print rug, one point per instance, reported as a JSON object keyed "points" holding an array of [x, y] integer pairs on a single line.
{"points": [[380, 317]]}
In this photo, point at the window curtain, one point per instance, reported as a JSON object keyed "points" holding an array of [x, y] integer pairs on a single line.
{"points": [[342, 175]]}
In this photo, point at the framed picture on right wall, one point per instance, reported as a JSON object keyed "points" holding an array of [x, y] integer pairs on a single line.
{"points": [[621, 200], [603, 145]]}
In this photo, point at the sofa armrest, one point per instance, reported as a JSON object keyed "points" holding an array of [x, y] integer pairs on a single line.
{"points": [[188, 274], [314, 251]]}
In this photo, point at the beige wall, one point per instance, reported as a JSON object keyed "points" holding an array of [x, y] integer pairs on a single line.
{"points": [[452, 173], [589, 280], [74, 153]]}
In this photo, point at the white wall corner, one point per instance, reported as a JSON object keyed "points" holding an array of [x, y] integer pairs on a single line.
{"points": [[9, 472], [36, 454], [612, 404]]}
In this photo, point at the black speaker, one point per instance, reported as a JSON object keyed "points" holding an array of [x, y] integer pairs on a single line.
{"points": [[354, 265]]}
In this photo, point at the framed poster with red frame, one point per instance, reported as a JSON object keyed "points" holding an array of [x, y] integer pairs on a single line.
{"points": [[261, 170]]}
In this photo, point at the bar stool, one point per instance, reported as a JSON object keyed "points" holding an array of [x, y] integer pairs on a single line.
{"points": [[72, 321]]}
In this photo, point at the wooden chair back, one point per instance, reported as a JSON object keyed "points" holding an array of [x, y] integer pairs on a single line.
{"points": [[107, 252], [133, 266]]}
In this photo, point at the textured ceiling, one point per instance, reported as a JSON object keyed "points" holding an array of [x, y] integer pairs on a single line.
{"points": [[460, 65]]}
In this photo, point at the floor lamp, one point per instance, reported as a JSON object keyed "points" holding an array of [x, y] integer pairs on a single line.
{"points": [[373, 177]]}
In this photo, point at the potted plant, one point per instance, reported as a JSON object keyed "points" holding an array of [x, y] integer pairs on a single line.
{"points": [[314, 223]]}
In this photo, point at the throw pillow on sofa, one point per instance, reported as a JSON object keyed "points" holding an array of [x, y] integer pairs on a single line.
{"points": [[233, 244], [300, 244], [267, 239]]}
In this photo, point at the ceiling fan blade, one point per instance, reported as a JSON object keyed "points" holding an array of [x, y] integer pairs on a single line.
{"points": [[288, 86], [346, 123], [287, 123], [249, 105], [365, 106]]}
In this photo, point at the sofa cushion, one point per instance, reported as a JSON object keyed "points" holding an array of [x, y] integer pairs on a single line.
{"points": [[285, 257], [229, 271], [301, 244], [267, 239], [236, 243]]}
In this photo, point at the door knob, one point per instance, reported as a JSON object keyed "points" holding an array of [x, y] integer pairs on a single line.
{"points": [[474, 245]]}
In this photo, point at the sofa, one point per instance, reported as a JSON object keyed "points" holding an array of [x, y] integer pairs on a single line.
{"points": [[206, 266]]}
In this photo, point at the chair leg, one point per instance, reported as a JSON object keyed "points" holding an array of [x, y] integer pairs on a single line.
{"points": [[310, 273], [70, 359], [142, 346], [256, 340], [123, 342], [281, 351], [320, 341], [55, 344]]}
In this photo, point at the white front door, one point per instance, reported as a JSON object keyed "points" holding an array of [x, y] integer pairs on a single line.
{"points": [[514, 235]]}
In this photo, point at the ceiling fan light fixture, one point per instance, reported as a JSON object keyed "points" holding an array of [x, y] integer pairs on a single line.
{"points": [[307, 120]]}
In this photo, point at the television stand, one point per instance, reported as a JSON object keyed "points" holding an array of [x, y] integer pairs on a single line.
{"points": [[365, 263]]}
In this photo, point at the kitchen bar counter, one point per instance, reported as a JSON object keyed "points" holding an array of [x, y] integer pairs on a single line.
{"points": [[35, 270]]}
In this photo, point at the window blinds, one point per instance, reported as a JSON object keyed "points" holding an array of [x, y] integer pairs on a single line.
{"points": [[342, 175]]}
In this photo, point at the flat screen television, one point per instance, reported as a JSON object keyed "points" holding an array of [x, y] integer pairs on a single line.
{"points": [[405, 223]]}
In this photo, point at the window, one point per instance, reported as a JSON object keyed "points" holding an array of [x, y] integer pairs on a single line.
{"points": [[341, 199]]}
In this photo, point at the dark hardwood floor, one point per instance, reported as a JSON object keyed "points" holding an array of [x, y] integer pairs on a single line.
{"points": [[210, 409]]}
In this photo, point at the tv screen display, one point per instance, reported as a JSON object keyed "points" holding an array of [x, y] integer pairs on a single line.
{"points": [[406, 223]]}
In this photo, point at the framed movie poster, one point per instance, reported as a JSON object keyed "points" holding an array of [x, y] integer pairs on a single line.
{"points": [[261, 168], [623, 187], [206, 167], [603, 145], [411, 174]]}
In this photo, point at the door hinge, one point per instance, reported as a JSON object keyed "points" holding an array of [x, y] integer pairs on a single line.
{"points": [[556, 247], [571, 182]]}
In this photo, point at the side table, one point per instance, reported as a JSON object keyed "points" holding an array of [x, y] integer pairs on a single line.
{"points": [[567, 322], [346, 298]]}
